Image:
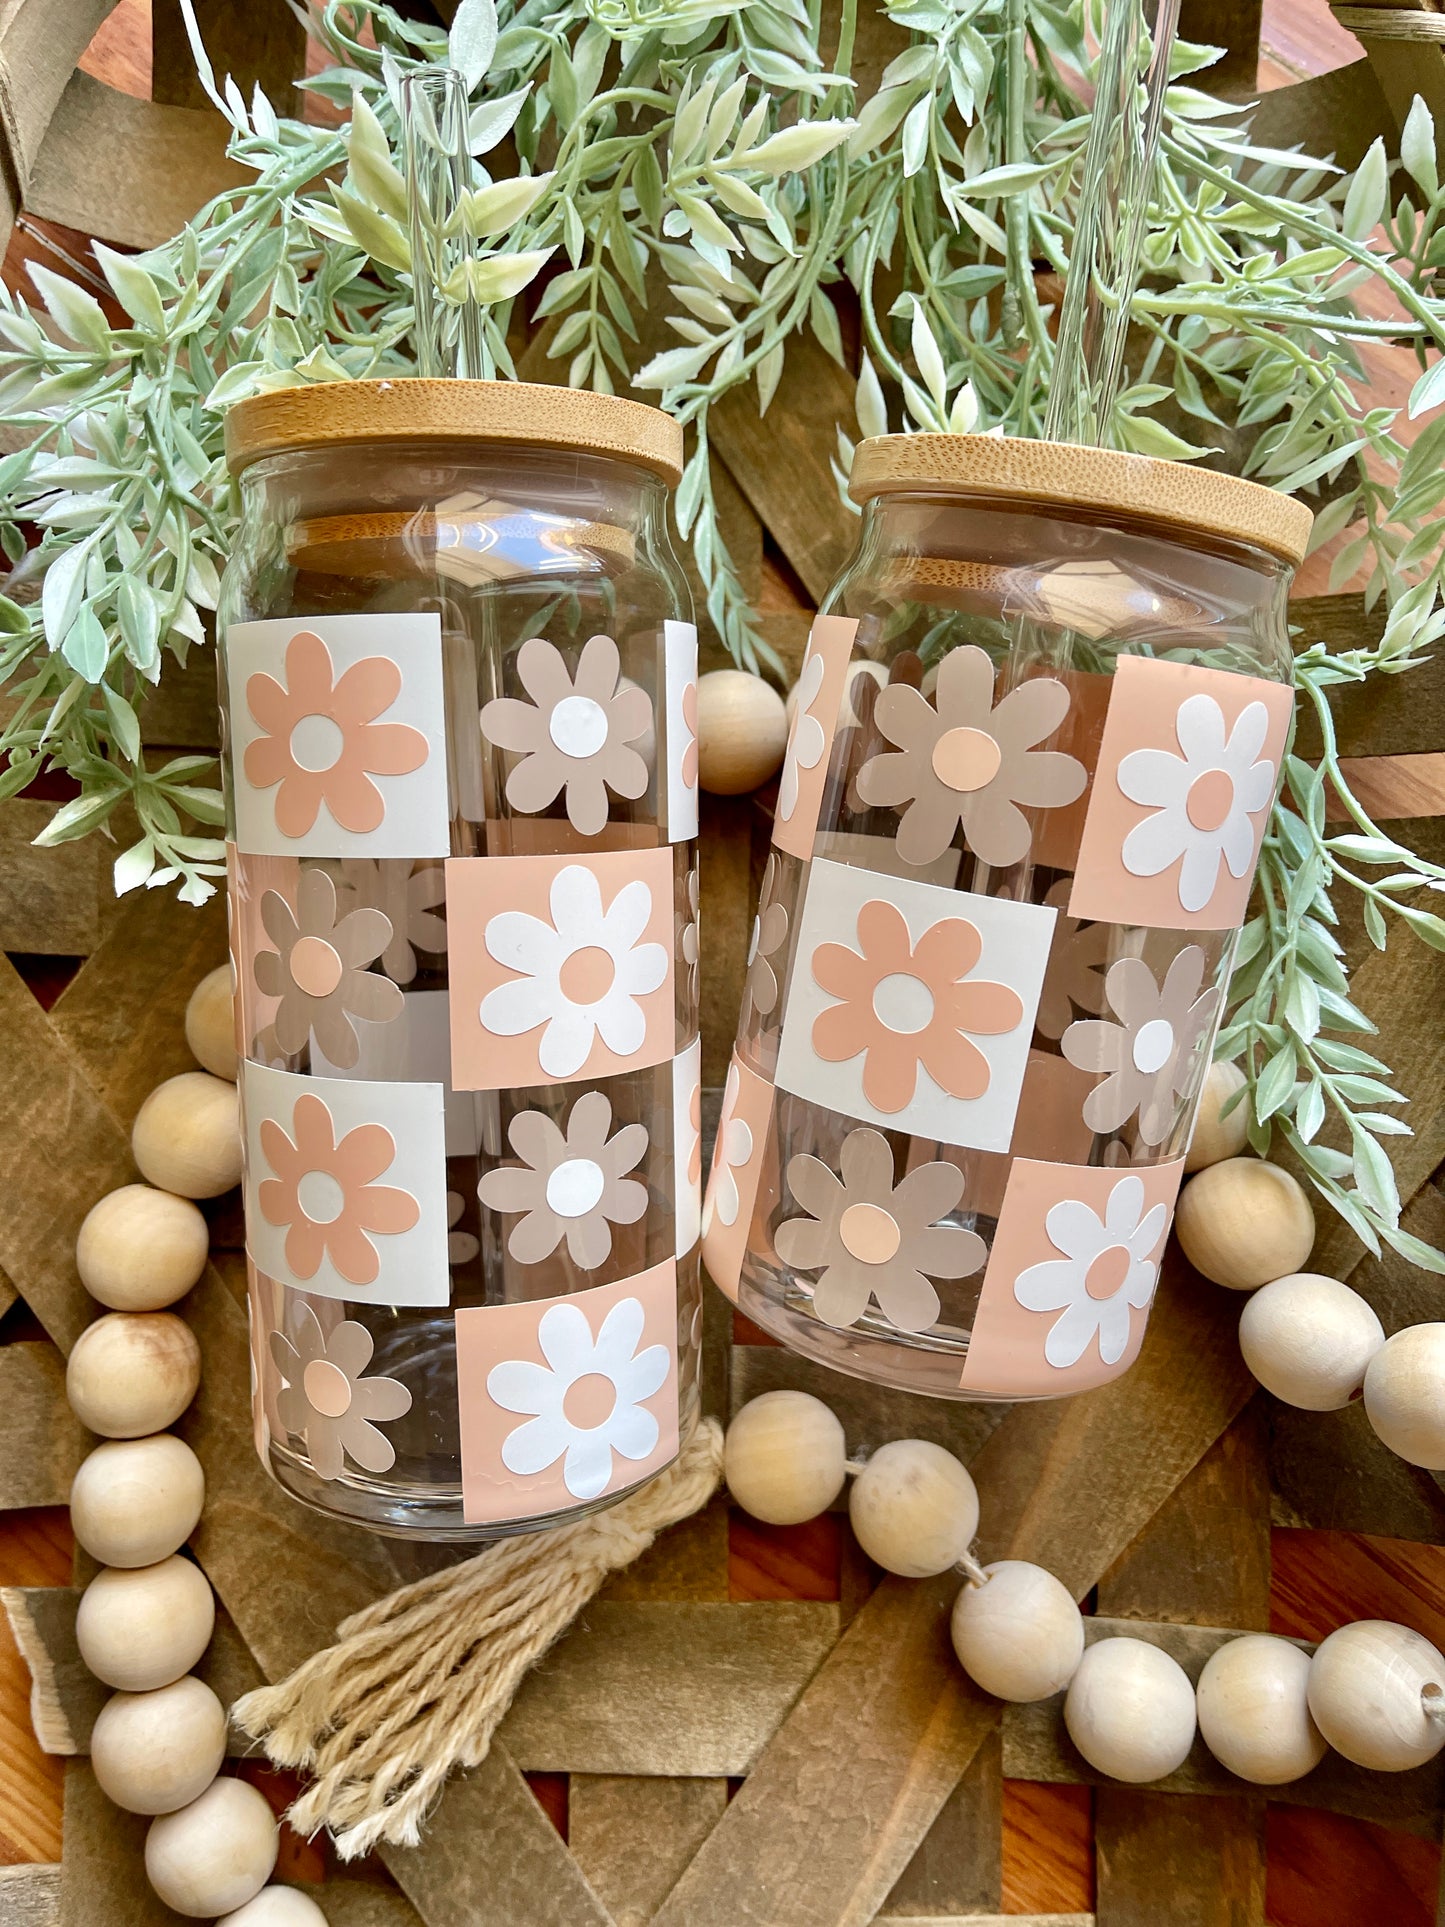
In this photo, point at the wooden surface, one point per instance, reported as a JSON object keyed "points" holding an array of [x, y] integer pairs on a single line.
{"points": [[878, 1783]]}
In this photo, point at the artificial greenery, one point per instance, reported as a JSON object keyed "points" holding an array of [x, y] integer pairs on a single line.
{"points": [[714, 159]]}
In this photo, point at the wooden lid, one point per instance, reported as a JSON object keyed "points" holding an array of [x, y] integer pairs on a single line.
{"points": [[535, 414], [1052, 474]]}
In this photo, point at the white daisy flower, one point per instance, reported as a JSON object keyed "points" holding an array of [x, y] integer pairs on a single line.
{"points": [[603, 1418], [806, 741], [581, 974], [1202, 801], [1106, 1272], [733, 1149]]}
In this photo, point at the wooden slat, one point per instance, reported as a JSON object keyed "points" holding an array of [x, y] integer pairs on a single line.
{"points": [[162, 165], [632, 1837], [1338, 113], [684, 1689], [1395, 715], [725, 858], [50, 899], [958, 1866], [181, 711], [40, 42], [30, 1896], [102, 1857], [256, 42], [1204, 1554], [1232, 25], [41, 1442], [355, 1903]]}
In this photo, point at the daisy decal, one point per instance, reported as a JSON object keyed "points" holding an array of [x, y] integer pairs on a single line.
{"points": [[806, 739], [770, 934], [962, 760], [875, 1241], [731, 1152], [571, 1185], [909, 1008], [587, 1402], [1202, 801], [318, 971], [320, 742], [1107, 1270], [581, 973], [325, 1192], [1151, 1053], [1077, 956], [327, 1401], [410, 896], [577, 735]]}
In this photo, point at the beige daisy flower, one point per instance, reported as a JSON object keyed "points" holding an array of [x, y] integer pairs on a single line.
{"points": [[761, 986], [407, 893], [961, 759], [1150, 1053], [318, 971], [1077, 954], [575, 734], [874, 1240], [327, 1401], [571, 1185]]}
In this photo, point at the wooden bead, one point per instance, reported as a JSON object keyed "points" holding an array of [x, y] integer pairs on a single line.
{"points": [[277, 1907], [784, 1458], [1130, 1710], [142, 1627], [1370, 1685], [216, 1854], [742, 731], [1405, 1395], [187, 1136], [134, 1501], [1308, 1339], [914, 1508], [1254, 1713], [140, 1249], [1214, 1137], [1244, 1222], [155, 1752], [211, 1023], [133, 1372], [1021, 1636]]}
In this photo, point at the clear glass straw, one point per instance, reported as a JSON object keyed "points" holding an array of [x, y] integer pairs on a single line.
{"points": [[1119, 156], [447, 332]]}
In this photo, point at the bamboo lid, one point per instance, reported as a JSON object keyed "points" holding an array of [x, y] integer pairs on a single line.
{"points": [[1052, 474], [524, 413]]}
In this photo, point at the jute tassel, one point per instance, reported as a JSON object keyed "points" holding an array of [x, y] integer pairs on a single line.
{"points": [[416, 1684]]}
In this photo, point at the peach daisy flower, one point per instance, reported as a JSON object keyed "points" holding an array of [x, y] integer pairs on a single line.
{"points": [[909, 1008], [320, 740], [325, 1192]]}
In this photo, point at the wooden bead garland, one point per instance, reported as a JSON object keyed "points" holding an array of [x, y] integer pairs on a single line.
{"points": [[1244, 1222], [141, 1249], [742, 731], [186, 1137], [155, 1752], [1214, 1137], [1264, 1707], [159, 1743], [1254, 1715], [135, 1501], [1130, 1710], [785, 1460], [1308, 1339], [133, 1372], [1405, 1395], [215, 1854]]}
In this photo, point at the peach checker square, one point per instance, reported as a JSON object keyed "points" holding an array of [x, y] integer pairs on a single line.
{"points": [[1188, 770], [687, 1145], [561, 966], [337, 727], [345, 1186], [1070, 1278], [912, 1006], [564, 1401], [822, 681], [744, 1162]]}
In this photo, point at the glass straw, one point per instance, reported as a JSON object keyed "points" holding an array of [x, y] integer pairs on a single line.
{"points": [[447, 330], [1133, 74]]}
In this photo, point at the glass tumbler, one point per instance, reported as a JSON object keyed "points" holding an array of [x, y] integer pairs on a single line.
{"points": [[459, 685], [1038, 733]]}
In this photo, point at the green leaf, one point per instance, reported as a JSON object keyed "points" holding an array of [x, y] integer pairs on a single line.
{"points": [[372, 169], [61, 592], [377, 233], [85, 646], [77, 314], [1276, 1083], [1417, 148], [473, 40], [135, 289], [1365, 202]]}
